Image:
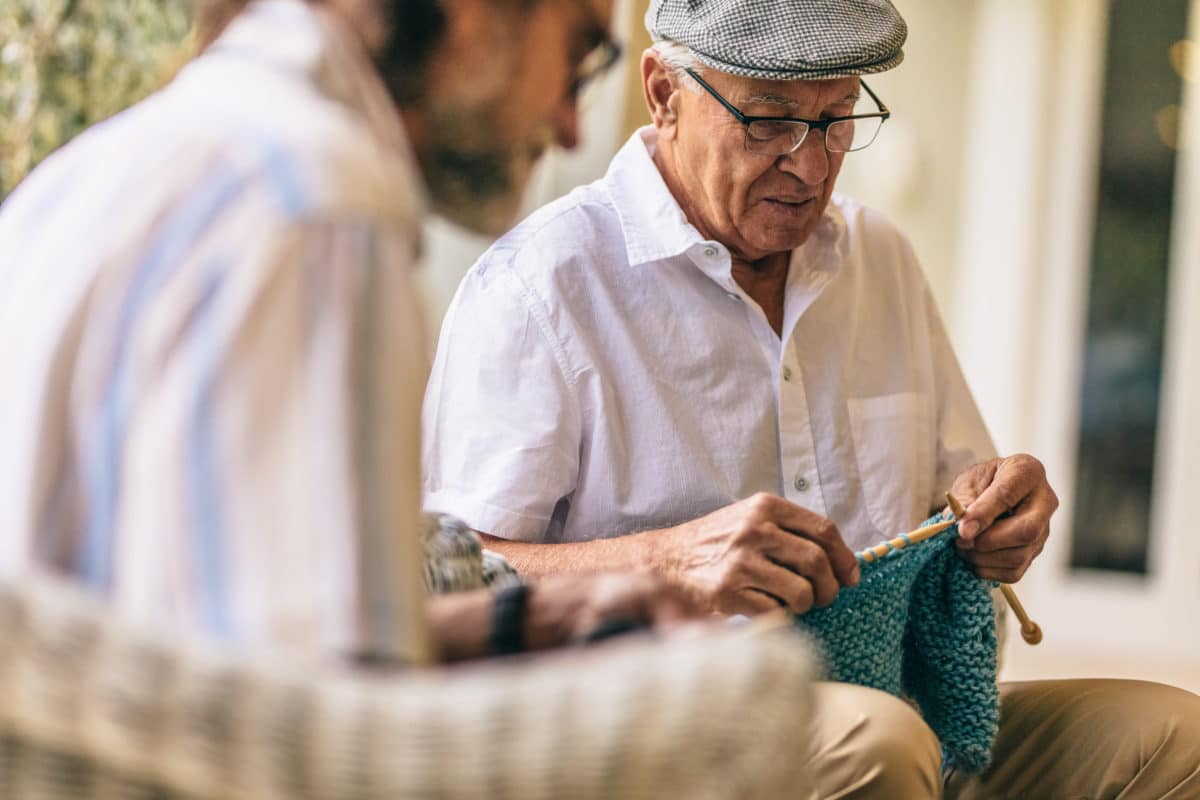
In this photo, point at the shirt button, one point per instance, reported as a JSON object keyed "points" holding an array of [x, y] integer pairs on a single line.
{"points": [[800, 484], [710, 251], [787, 373]]}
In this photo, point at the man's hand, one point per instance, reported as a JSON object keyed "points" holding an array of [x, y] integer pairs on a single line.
{"points": [[560, 610], [567, 608], [1009, 503], [757, 554]]}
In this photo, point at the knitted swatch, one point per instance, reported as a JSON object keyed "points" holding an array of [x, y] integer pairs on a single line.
{"points": [[921, 624]]}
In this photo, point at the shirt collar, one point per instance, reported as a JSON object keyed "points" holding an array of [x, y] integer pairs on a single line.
{"points": [[653, 224], [317, 45], [655, 227]]}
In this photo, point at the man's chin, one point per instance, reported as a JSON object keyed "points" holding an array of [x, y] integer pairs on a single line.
{"points": [[482, 194], [486, 215], [779, 233]]}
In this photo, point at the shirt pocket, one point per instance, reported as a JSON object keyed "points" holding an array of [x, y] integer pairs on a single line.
{"points": [[894, 452]]}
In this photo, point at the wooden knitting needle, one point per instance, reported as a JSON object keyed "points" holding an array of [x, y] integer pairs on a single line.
{"points": [[904, 540], [1031, 632]]}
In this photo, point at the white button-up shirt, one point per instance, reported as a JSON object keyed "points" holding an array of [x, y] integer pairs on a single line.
{"points": [[600, 372], [212, 354]]}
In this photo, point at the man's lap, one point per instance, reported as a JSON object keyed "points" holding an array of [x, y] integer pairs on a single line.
{"points": [[1089, 738]]}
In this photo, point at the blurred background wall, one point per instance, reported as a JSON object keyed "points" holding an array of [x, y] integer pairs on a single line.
{"points": [[1044, 157]]}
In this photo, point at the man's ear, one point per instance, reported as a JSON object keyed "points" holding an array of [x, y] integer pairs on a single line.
{"points": [[661, 93]]}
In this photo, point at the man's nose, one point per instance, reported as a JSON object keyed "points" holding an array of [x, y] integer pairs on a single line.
{"points": [[566, 122], [810, 161]]}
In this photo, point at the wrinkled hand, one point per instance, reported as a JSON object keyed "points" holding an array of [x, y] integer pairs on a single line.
{"points": [[567, 608], [758, 554], [1009, 503]]}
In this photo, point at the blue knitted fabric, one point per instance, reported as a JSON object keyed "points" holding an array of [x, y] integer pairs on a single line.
{"points": [[921, 624]]}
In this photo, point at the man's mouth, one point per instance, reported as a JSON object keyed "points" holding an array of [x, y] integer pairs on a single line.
{"points": [[789, 203]]}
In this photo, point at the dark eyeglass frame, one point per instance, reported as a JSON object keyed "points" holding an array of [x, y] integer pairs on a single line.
{"points": [[822, 125], [598, 60]]}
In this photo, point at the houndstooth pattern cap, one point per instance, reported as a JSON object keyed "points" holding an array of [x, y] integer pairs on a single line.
{"points": [[784, 39]]}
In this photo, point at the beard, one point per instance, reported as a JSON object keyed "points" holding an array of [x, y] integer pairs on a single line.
{"points": [[475, 166], [475, 180]]}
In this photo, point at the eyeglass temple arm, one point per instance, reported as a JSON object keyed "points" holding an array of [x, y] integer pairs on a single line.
{"points": [[887, 112]]}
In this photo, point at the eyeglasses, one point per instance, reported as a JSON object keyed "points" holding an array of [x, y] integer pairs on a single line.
{"points": [[599, 60], [777, 136]]}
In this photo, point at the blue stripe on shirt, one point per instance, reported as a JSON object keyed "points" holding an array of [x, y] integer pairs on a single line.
{"points": [[174, 241], [282, 170], [167, 253], [205, 503]]}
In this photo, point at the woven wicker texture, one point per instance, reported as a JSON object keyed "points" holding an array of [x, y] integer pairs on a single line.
{"points": [[91, 710], [921, 624]]}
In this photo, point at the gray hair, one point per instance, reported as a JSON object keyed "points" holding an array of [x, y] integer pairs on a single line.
{"points": [[679, 57]]}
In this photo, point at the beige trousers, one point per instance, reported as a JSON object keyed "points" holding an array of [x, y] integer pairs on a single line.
{"points": [[1073, 739]]}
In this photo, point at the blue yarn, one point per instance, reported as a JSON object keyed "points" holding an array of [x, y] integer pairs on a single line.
{"points": [[922, 625]]}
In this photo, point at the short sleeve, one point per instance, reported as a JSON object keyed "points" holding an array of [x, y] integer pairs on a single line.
{"points": [[501, 422]]}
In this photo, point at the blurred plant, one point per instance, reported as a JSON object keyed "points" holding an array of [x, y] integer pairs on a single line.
{"points": [[67, 64]]}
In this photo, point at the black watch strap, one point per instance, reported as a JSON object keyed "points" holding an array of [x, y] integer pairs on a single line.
{"points": [[508, 620]]}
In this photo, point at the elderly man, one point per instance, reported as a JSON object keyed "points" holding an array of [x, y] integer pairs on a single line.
{"points": [[709, 366], [213, 357]]}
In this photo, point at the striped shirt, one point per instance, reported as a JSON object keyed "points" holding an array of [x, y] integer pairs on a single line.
{"points": [[212, 353]]}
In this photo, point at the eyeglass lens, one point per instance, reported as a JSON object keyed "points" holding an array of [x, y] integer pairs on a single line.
{"points": [[771, 137]]}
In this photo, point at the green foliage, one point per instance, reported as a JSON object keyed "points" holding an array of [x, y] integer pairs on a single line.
{"points": [[67, 64]]}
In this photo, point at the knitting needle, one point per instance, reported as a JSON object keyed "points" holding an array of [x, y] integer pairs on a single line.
{"points": [[904, 540], [1031, 632]]}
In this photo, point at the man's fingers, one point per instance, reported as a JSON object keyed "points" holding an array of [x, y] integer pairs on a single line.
{"points": [[1021, 531], [998, 559], [750, 602], [796, 592], [972, 481], [1015, 479], [804, 523], [669, 606], [1006, 566], [799, 557]]}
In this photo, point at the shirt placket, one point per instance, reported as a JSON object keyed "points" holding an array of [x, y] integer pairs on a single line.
{"points": [[799, 479], [797, 443]]}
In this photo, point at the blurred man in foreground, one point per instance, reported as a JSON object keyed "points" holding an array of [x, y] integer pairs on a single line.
{"points": [[212, 354]]}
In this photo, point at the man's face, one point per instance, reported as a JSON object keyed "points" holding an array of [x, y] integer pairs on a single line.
{"points": [[500, 91], [756, 205]]}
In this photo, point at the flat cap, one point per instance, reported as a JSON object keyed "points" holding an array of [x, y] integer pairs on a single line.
{"points": [[784, 39]]}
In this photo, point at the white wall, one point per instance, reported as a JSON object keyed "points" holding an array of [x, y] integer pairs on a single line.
{"points": [[914, 170]]}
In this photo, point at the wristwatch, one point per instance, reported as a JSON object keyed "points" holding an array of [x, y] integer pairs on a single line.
{"points": [[508, 620]]}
